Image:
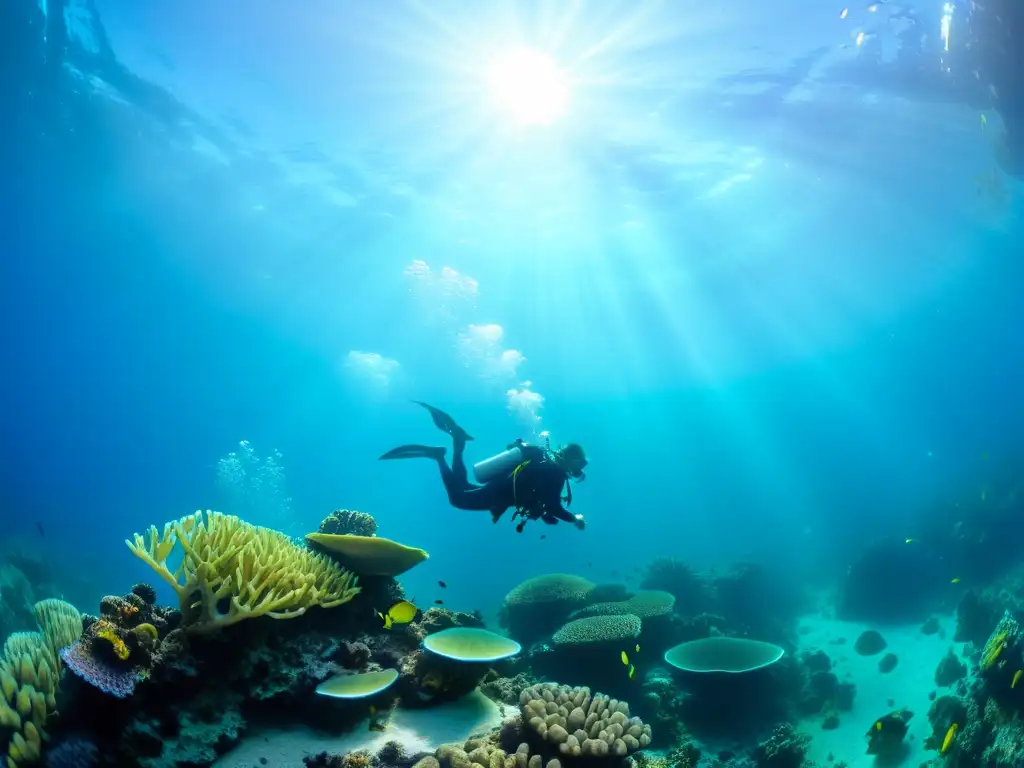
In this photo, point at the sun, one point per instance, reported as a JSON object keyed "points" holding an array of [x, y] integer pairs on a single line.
{"points": [[529, 87]]}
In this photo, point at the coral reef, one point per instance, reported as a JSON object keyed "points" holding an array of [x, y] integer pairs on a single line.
{"points": [[30, 673], [256, 571], [580, 723], [647, 604], [950, 670], [538, 606], [689, 588], [349, 521], [785, 748]]}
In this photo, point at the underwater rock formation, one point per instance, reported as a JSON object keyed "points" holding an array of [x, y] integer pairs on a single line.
{"points": [[869, 643], [950, 670]]}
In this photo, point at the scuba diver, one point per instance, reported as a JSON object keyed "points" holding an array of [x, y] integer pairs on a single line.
{"points": [[528, 478]]}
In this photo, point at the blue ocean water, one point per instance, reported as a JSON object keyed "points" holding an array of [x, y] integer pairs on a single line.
{"points": [[764, 269]]}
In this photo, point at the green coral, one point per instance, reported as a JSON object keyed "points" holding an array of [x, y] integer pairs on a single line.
{"points": [[598, 629], [647, 604], [30, 671], [560, 588]]}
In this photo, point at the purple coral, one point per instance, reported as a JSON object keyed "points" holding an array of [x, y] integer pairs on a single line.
{"points": [[119, 682]]}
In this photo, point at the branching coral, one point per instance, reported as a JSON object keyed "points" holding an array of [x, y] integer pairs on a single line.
{"points": [[254, 570]]}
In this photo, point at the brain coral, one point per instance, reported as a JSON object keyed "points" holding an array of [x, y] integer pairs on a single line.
{"points": [[550, 588], [581, 723], [597, 629], [645, 605]]}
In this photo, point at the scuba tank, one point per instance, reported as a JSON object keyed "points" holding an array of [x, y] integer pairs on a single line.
{"points": [[504, 462]]}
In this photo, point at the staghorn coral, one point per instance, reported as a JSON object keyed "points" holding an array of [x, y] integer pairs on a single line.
{"points": [[29, 677], [597, 630], [580, 723], [349, 521], [257, 571]]}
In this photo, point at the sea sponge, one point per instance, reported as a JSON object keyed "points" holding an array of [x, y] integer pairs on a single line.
{"points": [[259, 572], [349, 521], [581, 723], [646, 604], [598, 629]]}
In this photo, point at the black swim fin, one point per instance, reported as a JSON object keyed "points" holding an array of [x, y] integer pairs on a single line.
{"points": [[415, 452], [445, 423]]}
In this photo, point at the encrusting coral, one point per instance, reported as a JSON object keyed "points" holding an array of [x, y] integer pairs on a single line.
{"points": [[29, 676], [255, 571]]}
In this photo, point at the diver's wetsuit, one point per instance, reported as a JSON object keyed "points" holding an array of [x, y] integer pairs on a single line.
{"points": [[536, 488]]}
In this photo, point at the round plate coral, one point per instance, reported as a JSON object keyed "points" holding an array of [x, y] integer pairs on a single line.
{"points": [[358, 686], [723, 654], [471, 644]]}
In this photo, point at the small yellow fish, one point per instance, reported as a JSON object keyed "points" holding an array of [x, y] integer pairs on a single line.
{"points": [[637, 649], [878, 725], [1016, 678], [908, 541], [948, 741], [401, 612], [955, 581], [625, 659], [861, 37], [632, 671], [984, 122], [842, 14]]}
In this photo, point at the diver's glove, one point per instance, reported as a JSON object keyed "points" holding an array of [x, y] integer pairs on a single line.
{"points": [[579, 522]]}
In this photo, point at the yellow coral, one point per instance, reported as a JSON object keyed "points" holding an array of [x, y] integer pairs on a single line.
{"points": [[259, 572], [120, 649], [148, 630], [29, 674]]}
